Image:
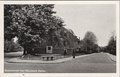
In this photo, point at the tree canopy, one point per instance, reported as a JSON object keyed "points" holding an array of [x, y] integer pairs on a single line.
{"points": [[111, 48], [89, 43], [35, 26]]}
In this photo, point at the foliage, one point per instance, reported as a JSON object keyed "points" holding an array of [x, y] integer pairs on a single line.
{"points": [[89, 43], [111, 48], [35, 26], [10, 46]]}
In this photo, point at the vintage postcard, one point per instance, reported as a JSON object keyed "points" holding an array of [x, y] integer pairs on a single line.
{"points": [[59, 38]]}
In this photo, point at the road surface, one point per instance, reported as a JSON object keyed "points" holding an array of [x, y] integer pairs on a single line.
{"points": [[95, 63]]}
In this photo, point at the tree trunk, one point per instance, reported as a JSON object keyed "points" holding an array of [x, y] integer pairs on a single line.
{"points": [[25, 51]]}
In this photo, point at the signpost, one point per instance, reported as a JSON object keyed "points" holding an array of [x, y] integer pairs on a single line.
{"points": [[49, 49]]}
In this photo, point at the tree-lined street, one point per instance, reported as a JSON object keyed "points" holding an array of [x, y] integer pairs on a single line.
{"points": [[43, 36]]}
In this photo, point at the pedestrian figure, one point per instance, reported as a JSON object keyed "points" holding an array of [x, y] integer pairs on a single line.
{"points": [[73, 53], [65, 52]]}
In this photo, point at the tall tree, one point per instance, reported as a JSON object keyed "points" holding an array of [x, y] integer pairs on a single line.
{"points": [[32, 24], [89, 43], [111, 48]]}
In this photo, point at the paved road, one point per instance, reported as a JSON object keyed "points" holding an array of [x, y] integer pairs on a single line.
{"points": [[95, 63]]}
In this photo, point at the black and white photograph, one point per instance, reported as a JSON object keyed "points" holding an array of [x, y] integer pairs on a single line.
{"points": [[60, 38]]}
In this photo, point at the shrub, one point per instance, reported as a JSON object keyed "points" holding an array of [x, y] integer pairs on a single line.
{"points": [[10, 46]]}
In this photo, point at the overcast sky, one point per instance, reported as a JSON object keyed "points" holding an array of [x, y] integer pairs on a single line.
{"points": [[97, 18]]}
